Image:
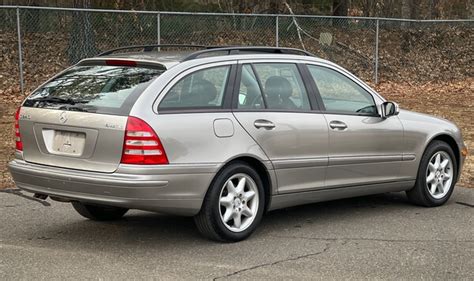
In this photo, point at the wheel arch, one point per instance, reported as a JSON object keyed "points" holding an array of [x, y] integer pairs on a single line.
{"points": [[260, 168], [450, 140]]}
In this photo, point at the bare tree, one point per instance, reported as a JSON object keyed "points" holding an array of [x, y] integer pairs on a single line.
{"points": [[340, 7], [471, 9], [406, 9], [434, 11], [82, 39]]}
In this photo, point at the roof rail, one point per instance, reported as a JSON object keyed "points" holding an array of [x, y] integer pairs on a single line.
{"points": [[238, 49], [149, 48], [231, 50]]}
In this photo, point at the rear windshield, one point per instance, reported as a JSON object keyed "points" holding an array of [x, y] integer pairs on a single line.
{"points": [[94, 88]]}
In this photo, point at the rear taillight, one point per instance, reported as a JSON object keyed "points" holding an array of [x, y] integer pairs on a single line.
{"points": [[18, 143], [141, 144]]}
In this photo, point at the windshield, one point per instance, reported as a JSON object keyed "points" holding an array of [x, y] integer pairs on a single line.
{"points": [[96, 88]]}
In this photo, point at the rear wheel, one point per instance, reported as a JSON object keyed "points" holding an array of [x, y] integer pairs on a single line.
{"points": [[99, 212], [436, 176], [233, 206]]}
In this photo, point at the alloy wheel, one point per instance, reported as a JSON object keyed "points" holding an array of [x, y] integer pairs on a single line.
{"points": [[238, 202], [439, 174]]}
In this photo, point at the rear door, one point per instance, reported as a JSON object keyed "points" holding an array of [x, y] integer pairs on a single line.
{"points": [[77, 120], [272, 104], [363, 147]]}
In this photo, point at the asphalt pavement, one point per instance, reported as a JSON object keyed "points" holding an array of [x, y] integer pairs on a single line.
{"points": [[374, 237]]}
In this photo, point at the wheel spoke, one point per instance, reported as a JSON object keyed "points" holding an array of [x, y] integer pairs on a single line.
{"points": [[444, 163], [433, 188], [430, 178], [237, 220], [431, 167], [228, 215], [231, 187], [446, 176], [440, 187], [249, 195], [241, 185], [247, 212], [226, 201], [437, 161]]}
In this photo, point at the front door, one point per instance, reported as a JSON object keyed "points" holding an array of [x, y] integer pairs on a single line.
{"points": [[364, 148]]}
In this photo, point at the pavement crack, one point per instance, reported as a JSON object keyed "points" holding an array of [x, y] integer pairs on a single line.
{"points": [[326, 248], [465, 204], [345, 239]]}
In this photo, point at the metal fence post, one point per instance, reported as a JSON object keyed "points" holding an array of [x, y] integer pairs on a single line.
{"points": [[376, 72], [20, 51], [276, 31], [158, 29]]}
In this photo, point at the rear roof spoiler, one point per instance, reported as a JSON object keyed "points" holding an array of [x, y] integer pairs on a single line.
{"points": [[149, 48], [122, 62]]}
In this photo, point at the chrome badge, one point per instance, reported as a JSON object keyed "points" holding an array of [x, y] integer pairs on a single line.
{"points": [[63, 117], [25, 116]]}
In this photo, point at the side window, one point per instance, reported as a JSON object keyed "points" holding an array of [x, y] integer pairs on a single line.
{"points": [[341, 94], [280, 83], [250, 95], [283, 86], [201, 89]]}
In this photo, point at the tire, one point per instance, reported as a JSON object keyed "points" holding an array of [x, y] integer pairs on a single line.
{"points": [[226, 201], [98, 212], [443, 180]]}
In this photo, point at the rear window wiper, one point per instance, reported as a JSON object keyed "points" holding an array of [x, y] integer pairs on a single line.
{"points": [[72, 108], [80, 107], [58, 100]]}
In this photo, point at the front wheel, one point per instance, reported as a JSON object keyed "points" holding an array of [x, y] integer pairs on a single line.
{"points": [[233, 206], [436, 176], [99, 212]]}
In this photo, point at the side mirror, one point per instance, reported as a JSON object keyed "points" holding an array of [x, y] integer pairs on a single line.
{"points": [[389, 108]]}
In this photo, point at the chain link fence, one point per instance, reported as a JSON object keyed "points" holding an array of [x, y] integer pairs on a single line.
{"points": [[42, 41], [424, 65]]}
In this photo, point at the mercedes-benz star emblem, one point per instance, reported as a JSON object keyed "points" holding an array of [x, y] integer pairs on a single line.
{"points": [[63, 117]]}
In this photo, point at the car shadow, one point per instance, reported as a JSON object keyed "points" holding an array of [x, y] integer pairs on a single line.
{"points": [[341, 209], [151, 230], [391, 200]]}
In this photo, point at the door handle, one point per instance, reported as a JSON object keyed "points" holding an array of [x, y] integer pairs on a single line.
{"points": [[262, 123], [337, 125]]}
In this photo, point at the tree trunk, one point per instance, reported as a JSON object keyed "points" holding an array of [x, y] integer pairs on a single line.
{"points": [[406, 9], [434, 11], [339, 8], [82, 39], [471, 9]]}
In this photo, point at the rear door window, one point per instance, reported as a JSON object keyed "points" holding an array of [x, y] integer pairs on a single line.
{"points": [[94, 88], [250, 95], [273, 86], [201, 89]]}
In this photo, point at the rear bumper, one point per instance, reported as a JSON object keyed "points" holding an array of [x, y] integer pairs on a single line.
{"points": [[174, 189]]}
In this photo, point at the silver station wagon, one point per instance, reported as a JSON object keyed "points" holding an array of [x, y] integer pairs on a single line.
{"points": [[224, 135]]}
